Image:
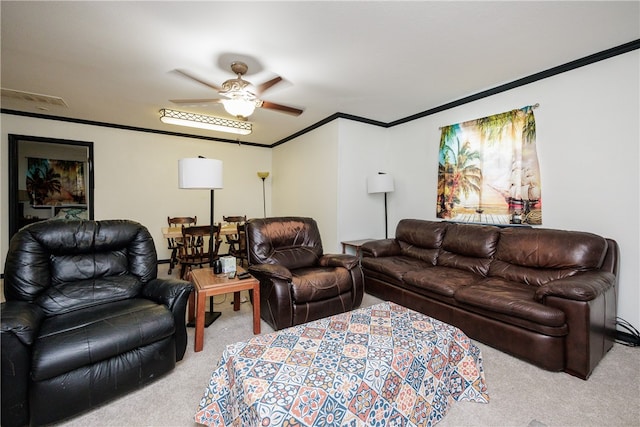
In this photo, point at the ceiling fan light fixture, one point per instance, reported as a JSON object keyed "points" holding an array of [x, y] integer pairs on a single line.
{"points": [[202, 121], [239, 106]]}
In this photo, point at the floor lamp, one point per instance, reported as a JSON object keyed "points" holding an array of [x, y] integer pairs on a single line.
{"points": [[381, 183], [263, 176], [203, 174]]}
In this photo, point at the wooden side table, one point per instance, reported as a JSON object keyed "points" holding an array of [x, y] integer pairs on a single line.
{"points": [[355, 244], [206, 284]]}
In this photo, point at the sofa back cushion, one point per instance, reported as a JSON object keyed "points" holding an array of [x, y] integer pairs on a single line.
{"points": [[293, 242], [420, 239], [536, 255], [66, 265], [469, 247]]}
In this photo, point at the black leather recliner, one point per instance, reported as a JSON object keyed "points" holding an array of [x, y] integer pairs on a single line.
{"points": [[298, 282], [86, 318]]}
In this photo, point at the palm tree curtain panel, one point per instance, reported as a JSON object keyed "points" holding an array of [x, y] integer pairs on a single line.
{"points": [[488, 170]]}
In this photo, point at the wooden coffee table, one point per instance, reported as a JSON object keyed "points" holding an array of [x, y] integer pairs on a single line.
{"points": [[206, 284]]}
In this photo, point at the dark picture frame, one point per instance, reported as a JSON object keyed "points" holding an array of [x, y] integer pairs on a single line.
{"points": [[19, 198]]}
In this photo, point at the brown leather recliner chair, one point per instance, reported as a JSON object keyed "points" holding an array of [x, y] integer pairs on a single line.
{"points": [[298, 283]]}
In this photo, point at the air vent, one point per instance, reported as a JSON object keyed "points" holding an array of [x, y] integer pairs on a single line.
{"points": [[33, 97]]}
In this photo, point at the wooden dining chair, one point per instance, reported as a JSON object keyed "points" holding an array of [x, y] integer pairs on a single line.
{"points": [[240, 251], [232, 239], [173, 243], [196, 249]]}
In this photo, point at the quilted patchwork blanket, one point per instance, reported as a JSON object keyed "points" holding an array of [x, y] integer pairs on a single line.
{"points": [[376, 366]]}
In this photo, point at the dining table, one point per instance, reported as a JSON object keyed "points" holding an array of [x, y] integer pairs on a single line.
{"points": [[176, 232]]}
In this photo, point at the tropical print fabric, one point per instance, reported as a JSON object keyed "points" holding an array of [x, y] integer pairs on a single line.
{"points": [[488, 170], [383, 365]]}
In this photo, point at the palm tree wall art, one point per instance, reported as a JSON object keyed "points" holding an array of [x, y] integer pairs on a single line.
{"points": [[488, 170], [55, 182]]}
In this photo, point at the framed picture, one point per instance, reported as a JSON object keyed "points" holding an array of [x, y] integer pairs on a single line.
{"points": [[49, 178], [56, 182]]}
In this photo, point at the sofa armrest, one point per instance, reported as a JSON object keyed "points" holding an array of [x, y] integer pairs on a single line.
{"points": [[380, 248], [267, 271], [20, 323], [584, 286], [174, 293], [339, 260]]}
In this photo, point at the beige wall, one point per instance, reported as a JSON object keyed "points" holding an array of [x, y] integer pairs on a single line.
{"points": [[305, 180]]}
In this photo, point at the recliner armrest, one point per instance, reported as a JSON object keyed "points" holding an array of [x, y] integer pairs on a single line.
{"points": [[339, 260], [20, 322], [21, 319], [380, 248], [174, 293], [584, 286], [166, 291], [271, 270]]}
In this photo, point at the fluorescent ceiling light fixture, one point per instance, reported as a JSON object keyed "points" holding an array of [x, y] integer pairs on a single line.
{"points": [[201, 121]]}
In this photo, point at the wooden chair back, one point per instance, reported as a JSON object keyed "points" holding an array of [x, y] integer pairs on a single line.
{"points": [[179, 221], [240, 251], [232, 239], [173, 243], [196, 248]]}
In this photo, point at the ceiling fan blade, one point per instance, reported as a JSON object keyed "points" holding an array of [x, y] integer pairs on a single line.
{"points": [[199, 80], [281, 108], [195, 101], [266, 85]]}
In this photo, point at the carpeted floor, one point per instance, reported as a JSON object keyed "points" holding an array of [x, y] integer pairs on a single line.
{"points": [[521, 394]]}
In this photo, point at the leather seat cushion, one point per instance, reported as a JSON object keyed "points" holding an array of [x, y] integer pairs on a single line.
{"points": [[511, 298], [442, 280], [395, 266], [319, 283], [83, 337]]}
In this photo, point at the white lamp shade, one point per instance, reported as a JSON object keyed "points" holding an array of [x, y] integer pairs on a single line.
{"points": [[200, 173], [380, 183]]}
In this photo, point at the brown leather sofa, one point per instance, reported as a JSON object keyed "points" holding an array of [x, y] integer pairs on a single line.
{"points": [[298, 282], [545, 296]]}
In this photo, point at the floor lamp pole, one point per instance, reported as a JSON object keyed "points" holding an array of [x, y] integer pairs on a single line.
{"points": [[386, 233], [211, 233], [264, 199]]}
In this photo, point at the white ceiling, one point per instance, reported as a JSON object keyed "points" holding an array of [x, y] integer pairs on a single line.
{"points": [[112, 62]]}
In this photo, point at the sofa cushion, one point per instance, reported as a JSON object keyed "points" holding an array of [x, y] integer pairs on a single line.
{"points": [[396, 266], [545, 248], [511, 298], [441, 280], [420, 239], [84, 337], [537, 256], [319, 283], [528, 275], [469, 247]]}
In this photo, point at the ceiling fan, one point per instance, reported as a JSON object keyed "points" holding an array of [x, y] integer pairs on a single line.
{"points": [[238, 96]]}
